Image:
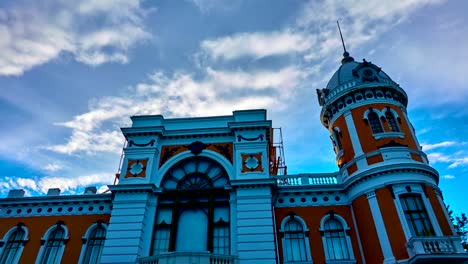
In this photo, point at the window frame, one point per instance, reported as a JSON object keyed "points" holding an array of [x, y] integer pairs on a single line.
{"points": [[336, 139], [85, 238], [422, 213], [347, 238], [401, 189], [182, 196], [374, 122], [393, 123], [45, 239], [6, 238], [305, 230]]}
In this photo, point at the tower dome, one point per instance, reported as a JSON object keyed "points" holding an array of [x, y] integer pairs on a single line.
{"points": [[354, 82], [357, 72]]}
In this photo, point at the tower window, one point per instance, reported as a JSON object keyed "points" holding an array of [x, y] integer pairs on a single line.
{"points": [[374, 123], [336, 136], [391, 121], [416, 215]]}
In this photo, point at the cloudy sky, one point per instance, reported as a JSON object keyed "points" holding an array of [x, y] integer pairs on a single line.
{"points": [[72, 72]]}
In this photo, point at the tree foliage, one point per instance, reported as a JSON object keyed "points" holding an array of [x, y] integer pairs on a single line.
{"points": [[460, 223]]}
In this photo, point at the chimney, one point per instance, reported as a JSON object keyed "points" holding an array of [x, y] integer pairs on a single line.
{"points": [[16, 193], [90, 190], [53, 192]]}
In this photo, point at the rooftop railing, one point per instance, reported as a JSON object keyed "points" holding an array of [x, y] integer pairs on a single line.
{"points": [[189, 257], [309, 179]]}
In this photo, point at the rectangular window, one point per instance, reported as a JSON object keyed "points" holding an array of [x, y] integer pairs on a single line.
{"points": [[161, 239], [416, 215], [221, 240]]}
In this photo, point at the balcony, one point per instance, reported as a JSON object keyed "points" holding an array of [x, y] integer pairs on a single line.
{"points": [[189, 258], [309, 179], [436, 250]]}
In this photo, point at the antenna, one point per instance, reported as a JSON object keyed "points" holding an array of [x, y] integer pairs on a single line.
{"points": [[341, 35]]}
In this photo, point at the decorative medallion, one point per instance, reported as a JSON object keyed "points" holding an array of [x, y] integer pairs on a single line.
{"points": [[252, 162], [136, 168]]}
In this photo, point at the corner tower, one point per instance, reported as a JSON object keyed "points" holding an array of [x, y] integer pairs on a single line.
{"points": [[365, 112], [390, 186]]}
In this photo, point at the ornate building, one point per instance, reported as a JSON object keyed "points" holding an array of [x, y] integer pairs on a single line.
{"points": [[207, 190]]}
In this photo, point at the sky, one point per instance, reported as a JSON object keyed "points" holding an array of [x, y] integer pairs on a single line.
{"points": [[72, 72]]}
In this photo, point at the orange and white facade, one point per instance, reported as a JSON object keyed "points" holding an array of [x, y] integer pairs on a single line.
{"points": [[206, 190]]}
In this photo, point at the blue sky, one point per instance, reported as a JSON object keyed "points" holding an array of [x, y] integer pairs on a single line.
{"points": [[72, 72]]}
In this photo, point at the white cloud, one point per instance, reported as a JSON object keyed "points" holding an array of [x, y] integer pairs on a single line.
{"points": [[427, 147], [53, 167], [360, 22], [455, 159], [66, 184], [448, 177], [257, 44], [179, 95], [35, 33], [218, 5]]}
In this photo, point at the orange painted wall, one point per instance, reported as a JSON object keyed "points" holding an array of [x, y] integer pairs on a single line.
{"points": [[353, 168], [416, 157], [348, 151], [312, 217], [367, 232], [374, 159], [392, 223], [37, 226], [366, 137], [438, 211]]}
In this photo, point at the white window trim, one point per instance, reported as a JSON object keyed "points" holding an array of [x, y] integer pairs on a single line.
{"points": [[395, 115], [378, 112], [399, 190], [336, 134], [306, 239], [86, 238], [348, 239], [7, 236], [379, 115], [389, 135], [46, 237]]}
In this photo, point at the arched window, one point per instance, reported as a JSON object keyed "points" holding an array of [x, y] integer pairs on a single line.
{"points": [[336, 139], [53, 245], [93, 243], [14, 244], [194, 206], [391, 120], [374, 122], [416, 215], [295, 242], [335, 238]]}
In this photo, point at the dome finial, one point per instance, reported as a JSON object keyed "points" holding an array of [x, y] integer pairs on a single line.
{"points": [[346, 57]]}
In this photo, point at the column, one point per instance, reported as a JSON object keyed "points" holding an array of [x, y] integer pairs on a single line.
{"points": [[128, 230], [380, 227], [255, 234]]}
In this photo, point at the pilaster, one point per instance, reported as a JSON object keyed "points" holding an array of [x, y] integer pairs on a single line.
{"points": [[129, 232], [255, 234], [380, 227]]}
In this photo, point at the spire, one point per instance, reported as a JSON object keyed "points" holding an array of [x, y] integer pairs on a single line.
{"points": [[346, 57]]}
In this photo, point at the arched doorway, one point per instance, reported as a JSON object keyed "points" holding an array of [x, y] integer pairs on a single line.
{"points": [[193, 211]]}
